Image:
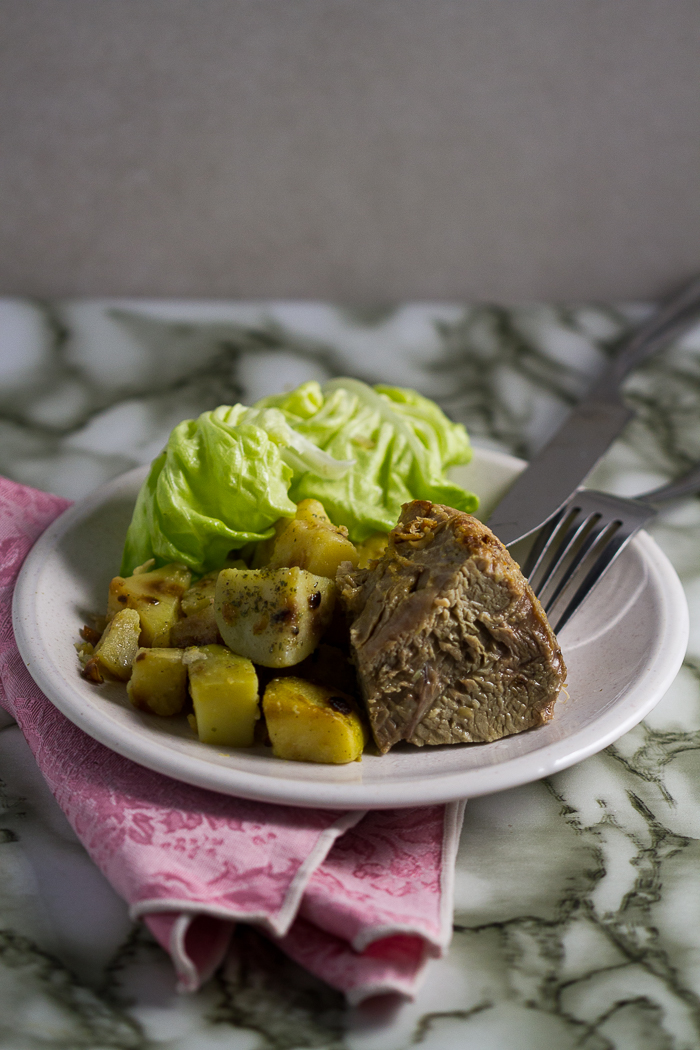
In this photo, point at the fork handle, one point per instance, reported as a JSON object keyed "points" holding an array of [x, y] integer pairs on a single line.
{"points": [[687, 485]]}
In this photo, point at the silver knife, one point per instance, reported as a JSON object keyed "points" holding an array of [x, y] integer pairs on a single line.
{"points": [[570, 455]]}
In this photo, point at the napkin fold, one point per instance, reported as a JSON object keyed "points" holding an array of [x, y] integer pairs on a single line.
{"points": [[361, 899]]}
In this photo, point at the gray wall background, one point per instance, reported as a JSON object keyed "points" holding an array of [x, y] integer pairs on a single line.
{"points": [[362, 150]]}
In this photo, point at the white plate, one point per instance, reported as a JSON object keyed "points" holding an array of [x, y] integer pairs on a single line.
{"points": [[623, 651]]}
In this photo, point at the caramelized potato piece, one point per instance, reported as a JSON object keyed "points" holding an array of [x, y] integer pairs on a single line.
{"points": [[158, 682], [198, 629], [116, 649], [310, 723], [310, 541], [274, 617], [224, 690], [198, 625], [200, 595], [156, 598]]}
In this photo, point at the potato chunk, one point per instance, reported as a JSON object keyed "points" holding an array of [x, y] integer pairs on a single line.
{"points": [[309, 723], [310, 541], [274, 617], [156, 598], [158, 682], [198, 624], [224, 689], [116, 649]]}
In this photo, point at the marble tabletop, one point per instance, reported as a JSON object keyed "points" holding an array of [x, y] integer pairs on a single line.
{"points": [[577, 913]]}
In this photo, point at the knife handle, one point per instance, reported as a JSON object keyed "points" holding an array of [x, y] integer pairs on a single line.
{"points": [[587, 433], [672, 319]]}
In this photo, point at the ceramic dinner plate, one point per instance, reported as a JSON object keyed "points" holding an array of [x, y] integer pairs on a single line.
{"points": [[622, 651]]}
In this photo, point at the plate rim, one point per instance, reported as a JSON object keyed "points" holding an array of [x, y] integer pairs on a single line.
{"points": [[622, 715]]}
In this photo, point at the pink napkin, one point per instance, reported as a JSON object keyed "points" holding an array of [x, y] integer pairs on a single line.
{"points": [[362, 900]]}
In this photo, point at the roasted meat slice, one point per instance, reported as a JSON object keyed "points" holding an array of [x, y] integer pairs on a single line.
{"points": [[451, 645]]}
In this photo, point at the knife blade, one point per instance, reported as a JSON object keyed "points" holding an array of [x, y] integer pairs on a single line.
{"points": [[558, 469], [579, 444]]}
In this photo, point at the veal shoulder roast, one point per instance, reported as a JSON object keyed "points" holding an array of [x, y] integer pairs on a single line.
{"points": [[450, 643]]}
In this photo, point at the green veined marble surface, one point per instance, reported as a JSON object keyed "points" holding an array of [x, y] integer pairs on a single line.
{"points": [[577, 920]]}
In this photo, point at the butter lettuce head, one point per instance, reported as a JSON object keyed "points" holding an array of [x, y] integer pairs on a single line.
{"points": [[225, 478], [401, 444], [219, 484]]}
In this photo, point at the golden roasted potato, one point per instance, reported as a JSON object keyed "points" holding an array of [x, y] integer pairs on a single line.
{"points": [[310, 541], [200, 595], [224, 690], [116, 649], [198, 624], [158, 682], [310, 723], [274, 617], [155, 596]]}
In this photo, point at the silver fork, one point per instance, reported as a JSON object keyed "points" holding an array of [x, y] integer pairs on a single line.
{"points": [[574, 550]]}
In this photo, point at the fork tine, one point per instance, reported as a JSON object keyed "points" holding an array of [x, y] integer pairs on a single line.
{"points": [[605, 526], [607, 556], [580, 545], [602, 532], [575, 533], [543, 540], [554, 543]]}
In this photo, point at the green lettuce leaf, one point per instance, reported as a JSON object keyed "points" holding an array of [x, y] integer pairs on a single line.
{"points": [[219, 484], [401, 442], [225, 478]]}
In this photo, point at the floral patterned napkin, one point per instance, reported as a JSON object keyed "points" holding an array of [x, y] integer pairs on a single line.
{"points": [[362, 900]]}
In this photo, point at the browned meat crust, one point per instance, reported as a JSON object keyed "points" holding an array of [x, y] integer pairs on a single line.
{"points": [[451, 645]]}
